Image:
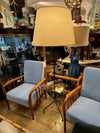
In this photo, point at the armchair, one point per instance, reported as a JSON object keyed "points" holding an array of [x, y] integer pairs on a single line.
{"points": [[86, 98], [27, 92]]}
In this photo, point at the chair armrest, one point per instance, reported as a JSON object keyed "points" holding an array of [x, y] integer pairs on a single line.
{"points": [[14, 124], [35, 88], [70, 98], [12, 81]]}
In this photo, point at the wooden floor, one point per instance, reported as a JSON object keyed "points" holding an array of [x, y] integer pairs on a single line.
{"points": [[48, 122]]}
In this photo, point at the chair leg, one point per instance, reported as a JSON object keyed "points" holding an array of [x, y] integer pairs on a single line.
{"points": [[8, 104], [32, 113], [64, 126], [45, 94]]}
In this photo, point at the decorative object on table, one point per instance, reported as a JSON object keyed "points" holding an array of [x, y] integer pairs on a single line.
{"points": [[16, 19], [23, 26], [16, 24], [54, 30], [30, 13], [75, 13], [81, 39], [68, 51], [12, 18], [5, 15], [60, 70], [74, 68]]}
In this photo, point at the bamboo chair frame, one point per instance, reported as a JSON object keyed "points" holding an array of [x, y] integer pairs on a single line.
{"points": [[71, 97], [14, 124], [18, 81]]}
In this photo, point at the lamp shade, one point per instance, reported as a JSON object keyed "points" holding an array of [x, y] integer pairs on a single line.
{"points": [[81, 36], [53, 27]]}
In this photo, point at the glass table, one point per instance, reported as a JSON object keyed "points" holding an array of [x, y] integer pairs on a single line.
{"points": [[64, 76], [61, 88]]}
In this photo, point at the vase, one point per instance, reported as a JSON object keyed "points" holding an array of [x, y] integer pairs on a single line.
{"points": [[74, 68]]}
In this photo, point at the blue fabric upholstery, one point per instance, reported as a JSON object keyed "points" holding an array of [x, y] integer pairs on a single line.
{"points": [[91, 83], [84, 110], [20, 94], [33, 71]]}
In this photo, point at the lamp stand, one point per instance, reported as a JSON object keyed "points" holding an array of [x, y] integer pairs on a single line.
{"points": [[54, 97]]}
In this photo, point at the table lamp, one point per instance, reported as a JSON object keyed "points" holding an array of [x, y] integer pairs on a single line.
{"points": [[81, 39], [53, 27]]}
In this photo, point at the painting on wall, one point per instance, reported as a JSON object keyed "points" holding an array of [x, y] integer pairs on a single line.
{"points": [[16, 6]]}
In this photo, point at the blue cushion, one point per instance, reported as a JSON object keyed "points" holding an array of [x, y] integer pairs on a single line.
{"points": [[91, 83], [33, 71], [84, 110], [20, 94]]}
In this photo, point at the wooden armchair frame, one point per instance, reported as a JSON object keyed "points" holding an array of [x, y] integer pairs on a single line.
{"points": [[70, 98], [18, 81], [14, 124]]}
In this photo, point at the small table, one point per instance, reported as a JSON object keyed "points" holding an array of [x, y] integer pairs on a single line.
{"points": [[66, 77], [61, 88]]}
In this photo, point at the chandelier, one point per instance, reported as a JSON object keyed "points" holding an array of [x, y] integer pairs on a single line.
{"points": [[73, 3]]}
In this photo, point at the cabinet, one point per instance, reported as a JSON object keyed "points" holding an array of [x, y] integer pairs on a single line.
{"points": [[15, 45], [94, 39]]}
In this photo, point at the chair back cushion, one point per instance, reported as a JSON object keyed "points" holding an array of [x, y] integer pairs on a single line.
{"points": [[91, 83], [33, 71]]}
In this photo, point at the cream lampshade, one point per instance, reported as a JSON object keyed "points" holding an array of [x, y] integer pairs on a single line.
{"points": [[81, 36], [53, 27]]}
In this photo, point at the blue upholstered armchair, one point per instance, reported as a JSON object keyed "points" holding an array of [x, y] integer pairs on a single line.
{"points": [[87, 106], [27, 92]]}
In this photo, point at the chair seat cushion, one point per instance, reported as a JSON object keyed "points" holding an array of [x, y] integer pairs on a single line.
{"points": [[84, 110], [20, 94]]}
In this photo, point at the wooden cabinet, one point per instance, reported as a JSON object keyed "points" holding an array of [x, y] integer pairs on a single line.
{"points": [[15, 47], [94, 39]]}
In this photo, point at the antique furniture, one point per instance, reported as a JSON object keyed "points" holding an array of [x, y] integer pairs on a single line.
{"points": [[1, 92], [19, 42], [29, 92], [94, 39], [58, 30], [86, 108], [15, 125]]}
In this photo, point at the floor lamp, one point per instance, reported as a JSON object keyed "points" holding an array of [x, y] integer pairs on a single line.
{"points": [[53, 27]]}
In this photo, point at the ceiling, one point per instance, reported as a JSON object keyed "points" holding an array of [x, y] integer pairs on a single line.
{"points": [[41, 3]]}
